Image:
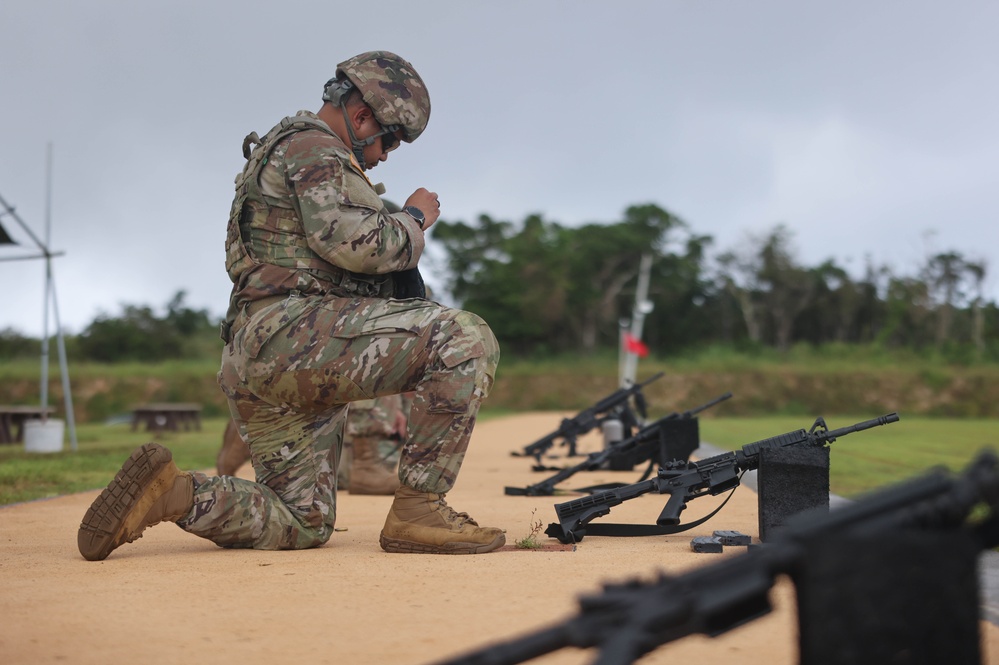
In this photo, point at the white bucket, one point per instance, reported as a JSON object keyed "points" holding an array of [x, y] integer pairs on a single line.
{"points": [[43, 436]]}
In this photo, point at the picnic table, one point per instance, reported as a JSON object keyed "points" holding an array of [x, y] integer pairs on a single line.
{"points": [[12, 420], [171, 416]]}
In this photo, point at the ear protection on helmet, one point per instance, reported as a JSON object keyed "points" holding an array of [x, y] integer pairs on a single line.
{"points": [[335, 91]]}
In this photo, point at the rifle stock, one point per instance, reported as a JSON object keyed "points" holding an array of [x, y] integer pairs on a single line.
{"points": [[584, 509]]}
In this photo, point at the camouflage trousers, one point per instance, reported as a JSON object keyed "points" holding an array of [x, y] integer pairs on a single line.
{"points": [[289, 372], [371, 422]]}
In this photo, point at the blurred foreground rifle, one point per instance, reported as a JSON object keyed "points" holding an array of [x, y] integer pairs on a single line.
{"points": [[684, 481], [646, 435], [615, 404], [626, 621]]}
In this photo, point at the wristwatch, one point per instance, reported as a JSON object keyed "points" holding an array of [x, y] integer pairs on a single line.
{"points": [[416, 213]]}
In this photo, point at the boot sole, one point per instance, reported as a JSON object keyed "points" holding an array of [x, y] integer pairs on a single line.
{"points": [[395, 546], [106, 522]]}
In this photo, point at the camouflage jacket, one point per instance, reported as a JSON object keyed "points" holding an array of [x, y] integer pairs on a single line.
{"points": [[306, 218]]}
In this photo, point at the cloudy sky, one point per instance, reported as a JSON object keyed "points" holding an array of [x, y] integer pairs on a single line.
{"points": [[867, 127]]}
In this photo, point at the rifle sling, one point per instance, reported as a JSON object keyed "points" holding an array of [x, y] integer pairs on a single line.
{"points": [[651, 529]]}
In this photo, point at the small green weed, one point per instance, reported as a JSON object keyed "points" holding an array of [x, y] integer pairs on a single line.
{"points": [[530, 541]]}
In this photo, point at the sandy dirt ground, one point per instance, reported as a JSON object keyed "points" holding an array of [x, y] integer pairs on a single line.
{"points": [[171, 597]]}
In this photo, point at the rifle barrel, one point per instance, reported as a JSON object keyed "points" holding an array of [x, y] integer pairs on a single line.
{"points": [[708, 405], [867, 424], [524, 648], [584, 421]]}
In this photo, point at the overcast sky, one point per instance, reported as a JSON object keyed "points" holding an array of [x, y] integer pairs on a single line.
{"points": [[869, 128]]}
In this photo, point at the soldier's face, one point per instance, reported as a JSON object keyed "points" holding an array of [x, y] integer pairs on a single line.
{"points": [[367, 126], [379, 150]]}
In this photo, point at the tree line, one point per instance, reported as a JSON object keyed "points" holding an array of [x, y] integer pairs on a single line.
{"points": [[137, 334], [547, 288]]}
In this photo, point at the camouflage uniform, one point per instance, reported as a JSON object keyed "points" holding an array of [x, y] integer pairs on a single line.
{"points": [[312, 326], [373, 421], [327, 308]]}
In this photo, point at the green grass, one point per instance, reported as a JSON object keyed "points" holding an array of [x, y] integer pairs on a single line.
{"points": [[833, 378], [167, 369], [101, 451], [828, 358], [863, 461]]}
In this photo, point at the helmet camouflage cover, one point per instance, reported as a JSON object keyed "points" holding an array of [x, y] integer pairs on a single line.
{"points": [[392, 88]]}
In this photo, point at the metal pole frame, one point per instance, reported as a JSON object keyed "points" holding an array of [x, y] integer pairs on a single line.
{"points": [[629, 361], [50, 300]]}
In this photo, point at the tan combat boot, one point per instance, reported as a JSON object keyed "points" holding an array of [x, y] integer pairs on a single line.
{"points": [[148, 489], [423, 523], [368, 472]]}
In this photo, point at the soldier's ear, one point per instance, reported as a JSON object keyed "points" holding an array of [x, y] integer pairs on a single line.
{"points": [[361, 115]]}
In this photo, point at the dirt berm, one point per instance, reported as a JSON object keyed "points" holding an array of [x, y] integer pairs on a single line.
{"points": [[171, 597]]}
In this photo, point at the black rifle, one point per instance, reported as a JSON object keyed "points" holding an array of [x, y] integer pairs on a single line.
{"points": [[684, 481], [626, 621], [646, 435], [615, 404]]}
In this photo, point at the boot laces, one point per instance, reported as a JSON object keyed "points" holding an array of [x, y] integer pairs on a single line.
{"points": [[450, 515]]}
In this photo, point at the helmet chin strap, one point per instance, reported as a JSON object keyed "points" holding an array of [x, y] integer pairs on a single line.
{"points": [[357, 145]]}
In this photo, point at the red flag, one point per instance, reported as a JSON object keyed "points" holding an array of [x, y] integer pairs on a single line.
{"points": [[634, 345]]}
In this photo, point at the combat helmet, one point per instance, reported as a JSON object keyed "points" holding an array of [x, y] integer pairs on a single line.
{"points": [[390, 86]]}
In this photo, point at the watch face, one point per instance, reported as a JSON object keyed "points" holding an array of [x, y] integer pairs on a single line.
{"points": [[416, 213]]}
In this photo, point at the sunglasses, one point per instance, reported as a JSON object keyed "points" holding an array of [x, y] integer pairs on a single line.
{"points": [[389, 140]]}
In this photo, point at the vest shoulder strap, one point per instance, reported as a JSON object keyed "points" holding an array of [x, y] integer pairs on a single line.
{"points": [[257, 156]]}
